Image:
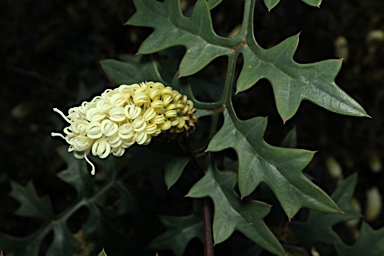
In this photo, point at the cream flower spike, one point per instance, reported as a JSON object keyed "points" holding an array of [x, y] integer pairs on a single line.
{"points": [[121, 117]]}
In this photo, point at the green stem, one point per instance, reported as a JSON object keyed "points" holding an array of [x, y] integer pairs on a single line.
{"points": [[227, 93], [217, 108]]}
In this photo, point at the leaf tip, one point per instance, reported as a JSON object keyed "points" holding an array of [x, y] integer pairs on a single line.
{"points": [[313, 151]]}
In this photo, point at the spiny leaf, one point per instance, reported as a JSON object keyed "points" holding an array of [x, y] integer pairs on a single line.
{"points": [[280, 168], [102, 253], [318, 226], [369, 242], [213, 3], [173, 165], [272, 3], [172, 28], [180, 231], [30, 204], [29, 245], [290, 140], [76, 173], [315, 3], [293, 82], [233, 214], [64, 243], [127, 204], [143, 69]]}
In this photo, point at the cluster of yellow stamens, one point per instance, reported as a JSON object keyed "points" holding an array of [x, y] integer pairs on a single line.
{"points": [[126, 115]]}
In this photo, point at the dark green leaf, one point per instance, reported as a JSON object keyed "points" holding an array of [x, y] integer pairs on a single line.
{"points": [[293, 82], [31, 205], [280, 168], [318, 226], [233, 214], [102, 253], [290, 140], [173, 170], [369, 242], [271, 3], [173, 165], [201, 112], [76, 173], [22, 246], [130, 73], [64, 243], [315, 3], [213, 3], [172, 28], [94, 226], [127, 204], [180, 231]]}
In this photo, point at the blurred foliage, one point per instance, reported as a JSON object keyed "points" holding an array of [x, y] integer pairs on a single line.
{"points": [[50, 57]]}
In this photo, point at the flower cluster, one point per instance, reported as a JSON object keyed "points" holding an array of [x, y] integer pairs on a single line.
{"points": [[126, 115]]}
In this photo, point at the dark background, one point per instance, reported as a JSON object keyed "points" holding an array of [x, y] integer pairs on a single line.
{"points": [[50, 52]]}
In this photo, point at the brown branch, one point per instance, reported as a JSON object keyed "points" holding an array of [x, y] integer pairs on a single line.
{"points": [[208, 241]]}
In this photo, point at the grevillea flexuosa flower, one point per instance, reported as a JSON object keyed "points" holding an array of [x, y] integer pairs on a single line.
{"points": [[126, 115]]}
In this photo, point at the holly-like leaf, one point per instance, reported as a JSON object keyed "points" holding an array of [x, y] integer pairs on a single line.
{"points": [[293, 82], [102, 253], [369, 242], [31, 205], [213, 3], [64, 243], [280, 168], [318, 226], [127, 203], [272, 3], [172, 28], [315, 3], [29, 245], [173, 165], [137, 70], [180, 231], [290, 140], [76, 173], [233, 214]]}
